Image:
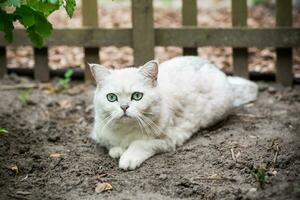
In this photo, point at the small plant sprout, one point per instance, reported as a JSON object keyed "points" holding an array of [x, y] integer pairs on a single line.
{"points": [[24, 96], [3, 131], [261, 176], [65, 83]]}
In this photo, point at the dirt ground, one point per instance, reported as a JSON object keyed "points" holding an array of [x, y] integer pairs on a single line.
{"points": [[46, 153]]}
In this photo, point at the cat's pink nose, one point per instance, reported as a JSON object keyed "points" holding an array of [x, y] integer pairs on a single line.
{"points": [[124, 107]]}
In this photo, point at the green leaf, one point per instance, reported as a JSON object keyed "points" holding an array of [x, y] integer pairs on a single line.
{"points": [[6, 25], [69, 73], [42, 25], [15, 3], [25, 15], [70, 7], [34, 37], [3, 130], [44, 6], [24, 96], [32, 14], [38, 27]]}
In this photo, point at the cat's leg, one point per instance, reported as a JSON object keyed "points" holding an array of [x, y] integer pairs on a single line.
{"points": [[116, 152], [141, 150]]}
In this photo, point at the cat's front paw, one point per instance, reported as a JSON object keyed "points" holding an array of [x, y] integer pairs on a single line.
{"points": [[129, 162], [116, 152]]}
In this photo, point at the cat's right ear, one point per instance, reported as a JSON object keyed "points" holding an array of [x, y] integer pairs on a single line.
{"points": [[99, 72]]}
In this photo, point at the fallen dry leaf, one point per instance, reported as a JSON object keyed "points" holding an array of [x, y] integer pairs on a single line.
{"points": [[102, 187], [49, 89], [65, 104], [14, 168]]}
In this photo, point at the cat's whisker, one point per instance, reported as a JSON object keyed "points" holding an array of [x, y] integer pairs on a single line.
{"points": [[143, 118], [148, 131], [141, 121], [109, 119], [156, 127], [140, 125], [156, 131], [147, 113]]}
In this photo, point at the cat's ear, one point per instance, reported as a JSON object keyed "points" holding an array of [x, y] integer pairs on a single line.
{"points": [[150, 71], [99, 72]]}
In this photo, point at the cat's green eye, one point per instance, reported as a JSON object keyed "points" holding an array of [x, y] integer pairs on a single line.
{"points": [[112, 97], [137, 96]]}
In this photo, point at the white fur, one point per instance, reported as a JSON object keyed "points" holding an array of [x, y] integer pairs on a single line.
{"points": [[188, 94]]}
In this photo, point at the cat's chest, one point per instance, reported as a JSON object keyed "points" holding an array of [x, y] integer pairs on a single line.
{"points": [[123, 136]]}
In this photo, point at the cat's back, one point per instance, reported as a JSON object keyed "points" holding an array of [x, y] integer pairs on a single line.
{"points": [[189, 73], [177, 63]]}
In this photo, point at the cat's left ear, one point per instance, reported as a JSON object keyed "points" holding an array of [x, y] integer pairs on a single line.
{"points": [[150, 71], [99, 72]]}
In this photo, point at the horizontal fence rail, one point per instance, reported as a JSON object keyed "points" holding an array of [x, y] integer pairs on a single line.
{"points": [[143, 37], [188, 37], [79, 74]]}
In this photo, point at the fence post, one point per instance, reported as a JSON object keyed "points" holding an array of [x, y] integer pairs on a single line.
{"points": [[90, 19], [3, 61], [41, 66], [284, 62], [143, 31], [239, 14], [189, 18]]}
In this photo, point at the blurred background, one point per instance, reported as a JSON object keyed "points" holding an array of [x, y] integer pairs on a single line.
{"points": [[167, 13]]}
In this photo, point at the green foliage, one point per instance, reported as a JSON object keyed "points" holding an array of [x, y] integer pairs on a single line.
{"points": [[69, 6], [65, 83], [32, 14], [15, 3], [24, 97], [261, 176], [259, 2], [6, 25], [166, 3], [3, 131]]}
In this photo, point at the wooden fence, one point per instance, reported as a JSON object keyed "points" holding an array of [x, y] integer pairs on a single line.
{"points": [[143, 37]]}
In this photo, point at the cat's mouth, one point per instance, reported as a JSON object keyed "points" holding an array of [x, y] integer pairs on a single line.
{"points": [[125, 115]]}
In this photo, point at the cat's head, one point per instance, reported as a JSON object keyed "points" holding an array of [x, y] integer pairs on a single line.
{"points": [[127, 94]]}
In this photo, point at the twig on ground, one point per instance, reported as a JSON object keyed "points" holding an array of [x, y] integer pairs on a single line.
{"points": [[275, 148], [232, 154], [216, 179], [19, 197], [23, 193], [250, 116], [276, 151], [19, 86], [23, 179]]}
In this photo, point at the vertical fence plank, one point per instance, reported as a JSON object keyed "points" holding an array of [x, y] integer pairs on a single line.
{"points": [[143, 31], [284, 63], [90, 19], [3, 63], [189, 18], [239, 14], [41, 66]]}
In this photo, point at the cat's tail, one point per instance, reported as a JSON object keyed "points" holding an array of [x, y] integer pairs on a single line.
{"points": [[244, 91]]}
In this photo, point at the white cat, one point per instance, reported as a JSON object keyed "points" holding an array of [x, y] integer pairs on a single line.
{"points": [[143, 111]]}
